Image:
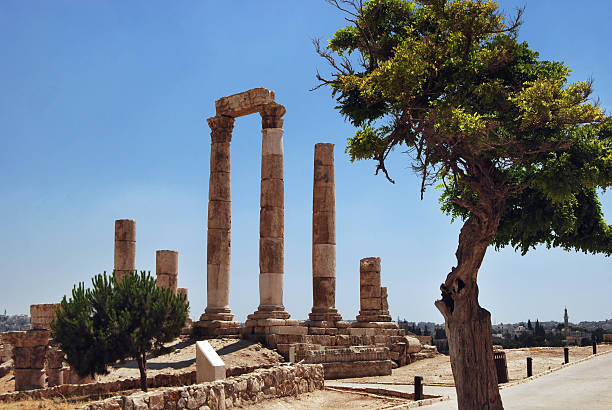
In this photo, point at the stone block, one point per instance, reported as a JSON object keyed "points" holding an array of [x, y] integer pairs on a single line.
{"points": [[272, 222], [166, 261], [219, 214], [323, 198], [271, 288], [220, 157], [369, 279], [323, 177], [288, 330], [55, 377], [272, 166], [169, 281], [217, 285], [271, 142], [324, 154], [244, 103], [42, 315], [219, 186], [26, 338], [323, 228], [218, 247], [369, 265], [30, 357], [125, 255], [367, 291], [272, 193], [125, 230], [271, 255], [324, 260], [209, 366], [29, 379], [361, 331], [370, 303], [324, 292]]}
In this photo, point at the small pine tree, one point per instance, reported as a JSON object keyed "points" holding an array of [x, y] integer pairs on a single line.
{"points": [[529, 324], [116, 320]]}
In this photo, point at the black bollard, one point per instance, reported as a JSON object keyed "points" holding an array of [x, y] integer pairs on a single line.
{"points": [[594, 347], [566, 354], [418, 388], [529, 367]]}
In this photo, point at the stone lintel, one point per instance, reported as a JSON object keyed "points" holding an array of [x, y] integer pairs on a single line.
{"points": [[27, 338], [244, 103]]}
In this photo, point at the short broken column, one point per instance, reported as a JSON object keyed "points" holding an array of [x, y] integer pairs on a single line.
{"points": [[324, 310], [166, 269], [125, 247], [372, 297], [55, 363], [209, 366], [29, 350]]}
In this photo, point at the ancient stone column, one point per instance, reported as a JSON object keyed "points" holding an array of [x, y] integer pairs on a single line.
{"points": [[219, 226], [55, 361], [125, 247], [372, 297], [166, 268], [29, 350], [324, 237], [271, 216]]}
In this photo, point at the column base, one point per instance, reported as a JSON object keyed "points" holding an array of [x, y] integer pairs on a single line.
{"points": [[224, 314], [328, 315], [216, 328], [373, 316]]}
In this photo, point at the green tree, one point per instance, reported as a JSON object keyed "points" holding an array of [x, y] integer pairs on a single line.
{"points": [[517, 151], [117, 320]]}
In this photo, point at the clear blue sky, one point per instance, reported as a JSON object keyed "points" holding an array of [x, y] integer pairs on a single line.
{"points": [[102, 117]]}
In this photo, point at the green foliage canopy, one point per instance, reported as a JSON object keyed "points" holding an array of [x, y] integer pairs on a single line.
{"points": [[116, 320], [480, 114]]}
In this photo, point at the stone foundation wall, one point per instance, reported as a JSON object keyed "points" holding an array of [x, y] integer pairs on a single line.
{"points": [[280, 381], [105, 389]]}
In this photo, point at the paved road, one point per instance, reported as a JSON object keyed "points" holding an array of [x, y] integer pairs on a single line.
{"points": [[585, 385]]}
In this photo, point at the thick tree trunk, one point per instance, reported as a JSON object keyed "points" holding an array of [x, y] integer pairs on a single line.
{"points": [[142, 366], [468, 326]]}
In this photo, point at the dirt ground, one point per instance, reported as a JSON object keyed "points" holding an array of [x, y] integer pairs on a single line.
{"points": [[437, 370], [328, 399]]}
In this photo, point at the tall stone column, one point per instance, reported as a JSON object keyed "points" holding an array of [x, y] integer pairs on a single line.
{"points": [[166, 268], [324, 311], [125, 247], [217, 314]]}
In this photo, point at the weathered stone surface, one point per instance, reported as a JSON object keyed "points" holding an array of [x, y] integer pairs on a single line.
{"points": [[166, 262], [125, 230], [218, 247], [55, 377], [169, 281], [271, 143], [41, 315], [27, 338], [272, 115], [219, 214], [272, 193], [220, 187], [369, 279], [323, 260], [323, 228], [384, 304], [125, 255], [209, 366], [324, 292], [271, 255], [217, 285], [220, 158], [367, 291], [271, 222], [324, 176], [221, 128], [271, 288], [370, 303], [6, 367], [324, 154], [30, 357], [369, 265], [244, 103], [272, 166], [28, 379]]}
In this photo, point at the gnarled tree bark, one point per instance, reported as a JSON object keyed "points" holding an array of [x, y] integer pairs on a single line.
{"points": [[468, 325]]}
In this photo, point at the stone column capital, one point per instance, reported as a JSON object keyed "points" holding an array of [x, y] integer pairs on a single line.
{"points": [[272, 115], [221, 128]]}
